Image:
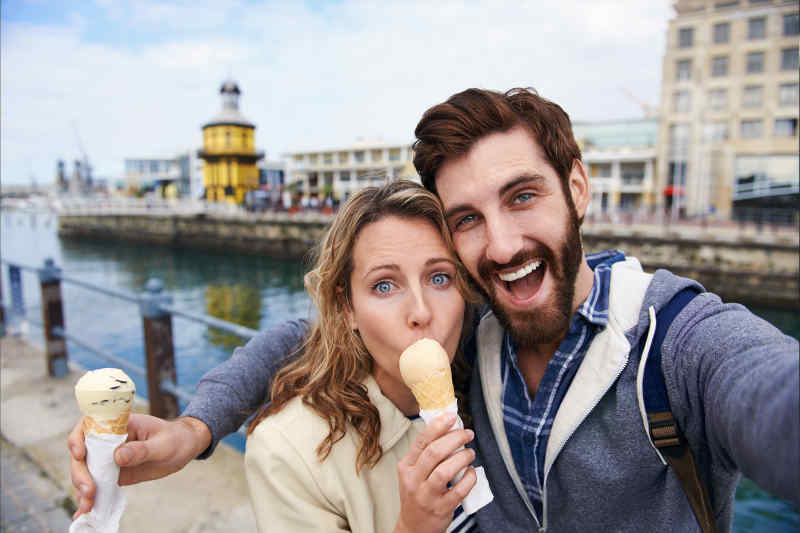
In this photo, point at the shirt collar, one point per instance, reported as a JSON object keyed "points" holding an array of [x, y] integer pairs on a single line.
{"points": [[595, 308]]}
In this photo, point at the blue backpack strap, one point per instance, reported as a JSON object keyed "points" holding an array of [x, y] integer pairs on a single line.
{"points": [[664, 430]]}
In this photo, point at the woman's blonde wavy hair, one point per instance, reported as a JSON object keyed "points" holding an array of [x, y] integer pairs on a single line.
{"points": [[330, 372]]}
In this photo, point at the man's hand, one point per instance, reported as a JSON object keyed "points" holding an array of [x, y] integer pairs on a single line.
{"points": [[427, 504], [155, 448]]}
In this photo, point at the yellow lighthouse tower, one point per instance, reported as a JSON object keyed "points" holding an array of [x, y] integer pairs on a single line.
{"points": [[229, 151]]}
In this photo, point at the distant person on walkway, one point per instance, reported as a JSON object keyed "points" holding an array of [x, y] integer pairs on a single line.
{"points": [[557, 393]]}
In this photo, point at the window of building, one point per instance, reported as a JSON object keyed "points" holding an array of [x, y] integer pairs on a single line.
{"points": [[755, 62], [789, 59], [791, 24], [726, 5], [788, 94], [377, 155], [397, 172], [359, 156], [632, 173], [328, 177], [717, 131], [312, 158], [327, 159], [313, 180], [718, 99], [678, 147], [757, 28], [394, 154], [722, 32], [751, 129], [344, 175], [362, 175], [719, 66], [752, 96], [785, 127], [601, 170], [682, 101], [685, 37], [227, 137], [683, 70], [343, 157], [676, 173]]}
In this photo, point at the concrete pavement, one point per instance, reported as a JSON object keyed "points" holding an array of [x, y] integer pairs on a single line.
{"points": [[36, 414]]}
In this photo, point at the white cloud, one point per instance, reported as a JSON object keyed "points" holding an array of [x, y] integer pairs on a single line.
{"points": [[309, 77]]}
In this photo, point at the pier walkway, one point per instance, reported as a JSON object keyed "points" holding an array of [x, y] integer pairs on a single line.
{"points": [[36, 414]]}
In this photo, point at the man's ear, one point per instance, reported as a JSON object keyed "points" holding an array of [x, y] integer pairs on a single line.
{"points": [[579, 188]]}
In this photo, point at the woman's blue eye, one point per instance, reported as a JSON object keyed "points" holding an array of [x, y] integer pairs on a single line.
{"points": [[440, 278], [383, 287]]}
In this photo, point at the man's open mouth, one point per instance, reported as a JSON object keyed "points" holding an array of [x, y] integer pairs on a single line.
{"points": [[524, 282]]}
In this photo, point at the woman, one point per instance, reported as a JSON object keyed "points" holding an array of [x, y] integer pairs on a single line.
{"points": [[339, 447]]}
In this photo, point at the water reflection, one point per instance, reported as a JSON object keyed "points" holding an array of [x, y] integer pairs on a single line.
{"points": [[239, 304]]}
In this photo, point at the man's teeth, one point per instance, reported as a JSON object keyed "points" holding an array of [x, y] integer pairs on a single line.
{"points": [[521, 273]]}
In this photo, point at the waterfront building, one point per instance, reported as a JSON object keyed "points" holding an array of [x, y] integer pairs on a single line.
{"points": [[229, 151], [340, 171], [166, 176], [730, 108], [620, 159]]}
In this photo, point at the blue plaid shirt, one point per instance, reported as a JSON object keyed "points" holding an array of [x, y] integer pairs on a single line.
{"points": [[528, 420]]}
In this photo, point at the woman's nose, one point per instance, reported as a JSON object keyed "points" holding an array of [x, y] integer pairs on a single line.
{"points": [[419, 314]]}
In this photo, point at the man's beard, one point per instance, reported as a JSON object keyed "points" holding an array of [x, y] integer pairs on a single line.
{"points": [[550, 321]]}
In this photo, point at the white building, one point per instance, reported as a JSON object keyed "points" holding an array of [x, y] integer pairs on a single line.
{"points": [[338, 172], [178, 175], [620, 159]]}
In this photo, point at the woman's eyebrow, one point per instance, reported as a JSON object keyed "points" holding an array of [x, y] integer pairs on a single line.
{"points": [[390, 266]]}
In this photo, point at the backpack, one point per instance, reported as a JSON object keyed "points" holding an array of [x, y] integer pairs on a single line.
{"points": [[664, 431]]}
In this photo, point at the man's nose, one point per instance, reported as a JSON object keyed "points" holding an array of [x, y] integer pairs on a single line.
{"points": [[419, 312], [503, 240]]}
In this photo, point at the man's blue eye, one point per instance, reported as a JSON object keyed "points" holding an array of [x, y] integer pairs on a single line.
{"points": [[524, 197], [383, 287], [440, 278]]}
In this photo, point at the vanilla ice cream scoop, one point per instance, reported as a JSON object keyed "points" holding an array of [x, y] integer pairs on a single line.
{"points": [[105, 397], [425, 368]]}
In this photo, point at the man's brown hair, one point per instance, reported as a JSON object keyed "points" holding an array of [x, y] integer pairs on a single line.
{"points": [[450, 129]]}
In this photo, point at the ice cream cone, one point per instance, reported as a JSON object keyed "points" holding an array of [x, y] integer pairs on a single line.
{"points": [[425, 368], [105, 397]]}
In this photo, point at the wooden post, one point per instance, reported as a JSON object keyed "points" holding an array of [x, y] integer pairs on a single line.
{"points": [[2, 311], [52, 317], [159, 350]]}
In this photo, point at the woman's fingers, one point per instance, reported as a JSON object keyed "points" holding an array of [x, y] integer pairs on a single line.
{"points": [[439, 426], [440, 449]]}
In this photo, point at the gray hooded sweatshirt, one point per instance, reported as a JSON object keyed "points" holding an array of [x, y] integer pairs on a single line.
{"points": [[732, 381]]}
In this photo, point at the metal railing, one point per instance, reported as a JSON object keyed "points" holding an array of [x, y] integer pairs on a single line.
{"points": [[155, 308]]}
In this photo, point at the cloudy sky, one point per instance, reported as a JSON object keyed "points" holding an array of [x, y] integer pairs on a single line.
{"points": [[139, 78]]}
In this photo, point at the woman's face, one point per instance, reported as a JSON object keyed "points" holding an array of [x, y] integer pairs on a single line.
{"points": [[403, 288]]}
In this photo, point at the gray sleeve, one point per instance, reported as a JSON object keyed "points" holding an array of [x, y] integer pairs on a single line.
{"points": [[230, 392], [739, 377]]}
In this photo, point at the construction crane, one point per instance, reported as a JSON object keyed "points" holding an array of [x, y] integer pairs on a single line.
{"points": [[647, 109], [83, 168]]}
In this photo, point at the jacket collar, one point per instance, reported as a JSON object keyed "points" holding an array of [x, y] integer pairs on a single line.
{"points": [[394, 424]]}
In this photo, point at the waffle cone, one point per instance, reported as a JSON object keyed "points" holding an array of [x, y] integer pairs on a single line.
{"points": [[116, 426], [434, 391]]}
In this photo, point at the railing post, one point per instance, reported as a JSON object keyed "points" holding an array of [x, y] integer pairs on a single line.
{"points": [[52, 317], [2, 311], [159, 350]]}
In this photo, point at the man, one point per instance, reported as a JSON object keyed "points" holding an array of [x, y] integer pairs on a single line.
{"points": [[556, 389]]}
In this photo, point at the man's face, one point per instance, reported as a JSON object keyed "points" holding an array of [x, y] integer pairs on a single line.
{"points": [[516, 231]]}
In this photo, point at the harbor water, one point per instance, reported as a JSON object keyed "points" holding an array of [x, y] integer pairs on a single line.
{"points": [[249, 290]]}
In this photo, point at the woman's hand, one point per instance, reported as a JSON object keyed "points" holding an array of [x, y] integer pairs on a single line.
{"points": [[427, 504], [155, 448]]}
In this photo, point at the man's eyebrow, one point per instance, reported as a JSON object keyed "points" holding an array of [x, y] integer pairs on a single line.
{"points": [[525, 178]]}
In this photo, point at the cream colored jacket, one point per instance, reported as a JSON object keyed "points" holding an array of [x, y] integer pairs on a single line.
{"points": [[292, 491]]}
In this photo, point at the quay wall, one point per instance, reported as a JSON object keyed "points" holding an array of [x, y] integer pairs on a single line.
{"points": [[753, 268]]}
